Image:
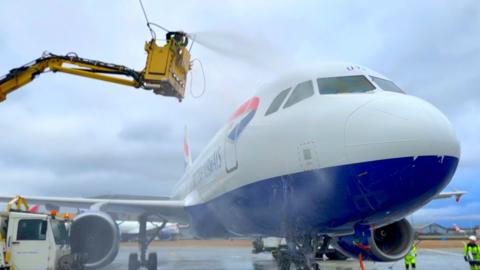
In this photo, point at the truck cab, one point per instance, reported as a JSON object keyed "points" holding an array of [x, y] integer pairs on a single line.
{"points": [[33, 241]]}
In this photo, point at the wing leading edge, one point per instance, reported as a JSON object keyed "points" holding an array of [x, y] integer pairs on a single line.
{"points": [[451, 194], [130, 209]]}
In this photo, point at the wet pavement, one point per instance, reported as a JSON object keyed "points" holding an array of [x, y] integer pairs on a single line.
{"points": [[241, 258]]}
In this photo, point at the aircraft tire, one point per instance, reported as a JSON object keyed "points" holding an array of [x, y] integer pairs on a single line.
{"points": [[133, 263], [283, 260], [152, 261], [336, 256], [257, 245]]}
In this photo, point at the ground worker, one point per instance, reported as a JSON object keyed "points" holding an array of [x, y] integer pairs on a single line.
{"points": [[410, 258], [472, 253]]}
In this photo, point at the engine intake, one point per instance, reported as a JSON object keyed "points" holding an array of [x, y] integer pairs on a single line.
{"points": [[97, 235], [388, 243]]}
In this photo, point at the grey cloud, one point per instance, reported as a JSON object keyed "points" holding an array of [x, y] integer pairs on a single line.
{"points": [[148, 131]]}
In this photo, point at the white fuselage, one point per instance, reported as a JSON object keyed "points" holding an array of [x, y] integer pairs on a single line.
{"points": [[311, 137]]}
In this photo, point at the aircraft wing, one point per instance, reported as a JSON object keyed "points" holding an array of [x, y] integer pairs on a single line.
{"points": [[121, 209], [131, 207], [451, 194]]}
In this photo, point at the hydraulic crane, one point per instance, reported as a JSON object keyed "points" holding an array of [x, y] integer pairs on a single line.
{"points": [[165, 71]]}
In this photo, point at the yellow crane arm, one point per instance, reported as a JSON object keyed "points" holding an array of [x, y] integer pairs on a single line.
{"points": [[165, 72], [18, 202], [19, 77]]}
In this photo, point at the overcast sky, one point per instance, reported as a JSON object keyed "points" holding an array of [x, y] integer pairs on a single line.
{"points": [[68, 136]]}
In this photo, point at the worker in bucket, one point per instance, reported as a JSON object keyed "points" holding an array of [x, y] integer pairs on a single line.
{"points": [[472, 253], [410, 258]]}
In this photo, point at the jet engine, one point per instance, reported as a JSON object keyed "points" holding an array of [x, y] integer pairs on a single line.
{"points": [[96, 235], [388, 243]]}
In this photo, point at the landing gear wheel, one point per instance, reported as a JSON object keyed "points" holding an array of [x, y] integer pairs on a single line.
{"points": [[133, 263], [284, 264], [283, 261], [257, 246], [152, 261], [336, 256]]}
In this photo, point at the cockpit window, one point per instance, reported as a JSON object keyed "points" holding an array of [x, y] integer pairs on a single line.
{"points": [[386, 85], [346, 84], [277, 101], [302, 91]]}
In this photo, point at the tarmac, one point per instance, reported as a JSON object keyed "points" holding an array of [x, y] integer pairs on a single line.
{"points": [[241, 258]]}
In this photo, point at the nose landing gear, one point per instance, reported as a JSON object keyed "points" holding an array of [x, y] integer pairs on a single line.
{"points": [[299, 252]]}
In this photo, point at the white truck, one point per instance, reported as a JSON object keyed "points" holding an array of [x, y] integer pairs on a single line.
{"points": [[32, 241]]}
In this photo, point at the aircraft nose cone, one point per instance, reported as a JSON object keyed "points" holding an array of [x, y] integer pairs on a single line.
{"points": [[404, 152], [398, 126]]}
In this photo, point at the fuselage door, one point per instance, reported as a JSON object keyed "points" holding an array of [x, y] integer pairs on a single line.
{"points": [[231, 161], [237, 123]]}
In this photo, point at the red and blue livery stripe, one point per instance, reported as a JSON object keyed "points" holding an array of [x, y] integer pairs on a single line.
{"points": [[247, 110]]}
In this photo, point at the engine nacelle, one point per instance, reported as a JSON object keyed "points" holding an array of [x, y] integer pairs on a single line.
{"points": [[388, 243], [97, 235]]}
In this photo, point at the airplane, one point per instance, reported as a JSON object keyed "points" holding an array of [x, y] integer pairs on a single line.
{"points": [[457, 229], [129, 230], [334, 155]]}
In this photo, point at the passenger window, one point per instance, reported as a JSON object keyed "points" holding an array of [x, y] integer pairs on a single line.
{"points": [[302, 91], [346, 84], [387, 85], [32, 229], [277, 102]]}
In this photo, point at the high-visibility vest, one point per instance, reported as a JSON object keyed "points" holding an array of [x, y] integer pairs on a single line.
{"points": [[472, 251], [411, 255]]}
